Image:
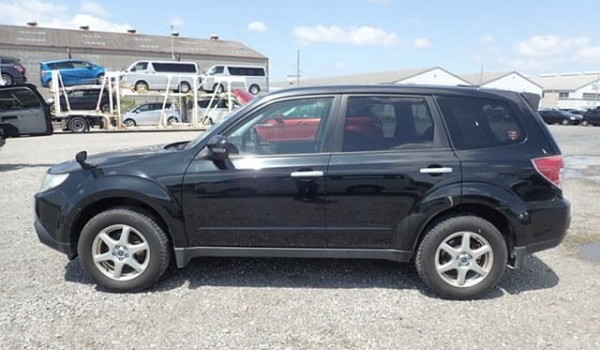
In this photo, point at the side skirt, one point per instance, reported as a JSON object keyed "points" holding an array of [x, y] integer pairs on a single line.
{"points": [[184, 255]]}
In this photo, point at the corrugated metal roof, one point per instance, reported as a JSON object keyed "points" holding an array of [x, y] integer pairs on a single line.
{"points": [[477, 79], [51, 37], [364, 78], [566, 82]]}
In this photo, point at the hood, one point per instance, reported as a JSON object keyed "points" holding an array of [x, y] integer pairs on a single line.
{"points": [[115, 158]]}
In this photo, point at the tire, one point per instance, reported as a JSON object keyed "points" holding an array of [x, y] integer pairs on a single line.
{"points": [[124, 250], [585, 123], [141, 86], [565, 122], [219, 88], [184, 87], [455, 271], [105, 108], [6, 80], [129, 122], [78, 125], [172, 120], [254, 89], [99, 79]]}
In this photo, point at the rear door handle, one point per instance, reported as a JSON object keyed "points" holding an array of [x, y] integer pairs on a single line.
{"points": [[9, 117], [314, 173], [435, 170]]}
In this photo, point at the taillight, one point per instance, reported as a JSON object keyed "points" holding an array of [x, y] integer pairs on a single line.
{"points": [[42, 72], [20, 69], [550, 167]]}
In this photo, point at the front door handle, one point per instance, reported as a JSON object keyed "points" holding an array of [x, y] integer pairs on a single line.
{"points": [[435, 170], [313, 173]]}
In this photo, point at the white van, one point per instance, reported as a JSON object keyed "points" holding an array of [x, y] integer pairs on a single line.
{"points": [[161, 75], [255, 77]]}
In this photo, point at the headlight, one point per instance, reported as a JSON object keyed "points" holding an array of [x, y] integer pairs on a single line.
{"points": [[53, 180]]}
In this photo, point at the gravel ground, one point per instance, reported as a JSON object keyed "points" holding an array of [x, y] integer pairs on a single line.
{"points": [[46, 302]]}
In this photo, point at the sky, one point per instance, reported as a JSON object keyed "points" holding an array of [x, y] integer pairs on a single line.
{"points": [[336, 37]]}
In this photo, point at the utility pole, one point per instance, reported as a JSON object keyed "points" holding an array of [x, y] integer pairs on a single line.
{"points": [[298, 68], [172, 44]]}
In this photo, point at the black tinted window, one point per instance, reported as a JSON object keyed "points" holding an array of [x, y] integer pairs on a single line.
{"points": [[174, 67], [247, 71], [20, 98], [480, 123], [386, 122]]}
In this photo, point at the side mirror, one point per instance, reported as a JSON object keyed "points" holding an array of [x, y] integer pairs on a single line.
{"points": [[219, 146]]}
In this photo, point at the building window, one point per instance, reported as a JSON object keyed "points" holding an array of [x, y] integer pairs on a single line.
{"points": [[563, 95], [591, 97]]}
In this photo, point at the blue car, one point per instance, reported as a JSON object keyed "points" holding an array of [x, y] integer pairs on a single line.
{"points": [[72, 72]]}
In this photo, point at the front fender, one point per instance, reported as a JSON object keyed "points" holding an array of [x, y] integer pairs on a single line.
{"points": [[120, 188]]}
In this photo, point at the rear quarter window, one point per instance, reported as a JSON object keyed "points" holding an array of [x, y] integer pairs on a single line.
{"points": [[480, 123]]}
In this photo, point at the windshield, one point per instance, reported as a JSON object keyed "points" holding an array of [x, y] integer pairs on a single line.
{"points": [[236, 112]]}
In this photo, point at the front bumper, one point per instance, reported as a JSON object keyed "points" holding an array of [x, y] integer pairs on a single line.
{"points": [[45, 237]]}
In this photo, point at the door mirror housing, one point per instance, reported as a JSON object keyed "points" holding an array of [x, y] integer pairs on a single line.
{"points": [[219, 147]]}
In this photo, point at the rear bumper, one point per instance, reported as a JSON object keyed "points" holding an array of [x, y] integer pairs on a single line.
{"points": [[547, 228]]}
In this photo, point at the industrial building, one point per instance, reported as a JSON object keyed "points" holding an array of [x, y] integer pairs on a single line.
{"points": [[116, 51], [570, 90]]}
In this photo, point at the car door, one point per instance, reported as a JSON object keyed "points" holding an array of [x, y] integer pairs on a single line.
{"points": [[272, 192], [149, 114], [392, 153], [23, 112]]}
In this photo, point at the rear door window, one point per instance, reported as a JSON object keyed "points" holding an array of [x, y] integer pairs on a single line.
{"points": [[480, 123], [377, 123]]}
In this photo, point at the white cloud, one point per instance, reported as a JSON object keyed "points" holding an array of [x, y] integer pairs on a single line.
{"points": [[487, 38], [48, 14], [257, 26], [340, 64], [476, 58], [364, 35], [548, 45], [93, 8], [177, 22], [422, 43], [590, 53]]}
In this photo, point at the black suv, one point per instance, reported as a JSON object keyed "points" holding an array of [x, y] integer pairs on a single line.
{"points": [[84, 99], [460, 181], [556, 116], [591, 117], [12, 72]]}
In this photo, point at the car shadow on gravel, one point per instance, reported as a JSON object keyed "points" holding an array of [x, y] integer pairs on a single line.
{"points": [[323, 273], [18, 166]]}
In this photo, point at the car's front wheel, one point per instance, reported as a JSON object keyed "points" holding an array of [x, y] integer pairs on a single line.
{"points": [[462, 257], [124, 250], [585, 123]]}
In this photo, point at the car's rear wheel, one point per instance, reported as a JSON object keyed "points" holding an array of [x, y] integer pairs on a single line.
{"points": [[585, 122], [99, 79], [124, 250], [129, 122], [462, 257], [172, 120], [78, 124], [105, 108], [184, 87], [141, 86], [6, 80], [219, 88], [254, 89], [565, 122]]}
